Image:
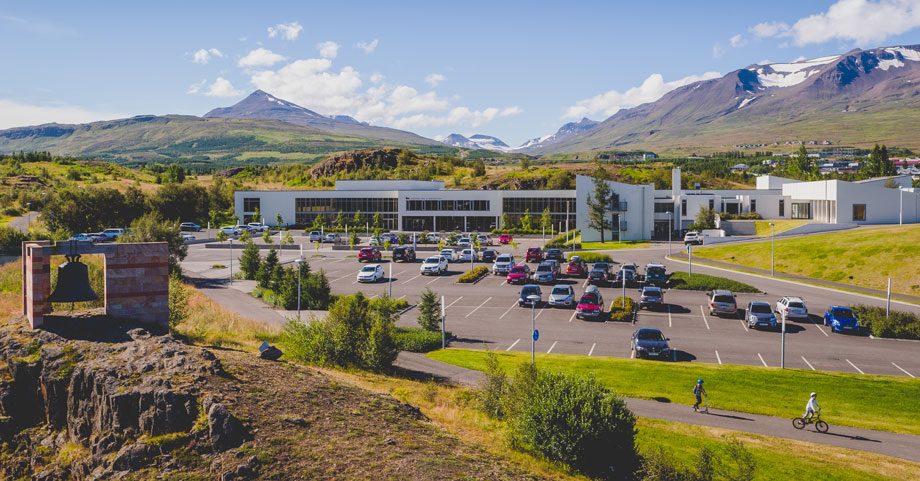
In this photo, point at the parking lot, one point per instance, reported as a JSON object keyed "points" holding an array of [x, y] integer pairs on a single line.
{"points": [[486, 313]]}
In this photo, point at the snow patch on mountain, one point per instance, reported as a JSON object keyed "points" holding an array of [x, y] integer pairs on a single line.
{"points": [[567, 131], [746, 101], [477, 141]]}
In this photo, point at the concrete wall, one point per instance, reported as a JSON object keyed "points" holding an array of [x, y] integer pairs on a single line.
{"points": [[640, 202]]}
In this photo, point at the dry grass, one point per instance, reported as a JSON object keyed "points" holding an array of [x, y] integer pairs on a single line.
{"points": [[210, 324]]}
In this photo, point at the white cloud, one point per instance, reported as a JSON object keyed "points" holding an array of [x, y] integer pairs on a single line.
{"points": [[377, 77], [287, 31], [16, 114], [220, 88], [652, 89], [718, 50], [405, 99], [204, 55], [328, 49], [368, 47], [737, 41], [863, 22], [434, 79], [197, 86], [457, 115], [260, 57], [310, 83]]}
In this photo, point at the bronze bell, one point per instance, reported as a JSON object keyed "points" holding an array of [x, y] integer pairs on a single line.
{"points": [[73, 282]]}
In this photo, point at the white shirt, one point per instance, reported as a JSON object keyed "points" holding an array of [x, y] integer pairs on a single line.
{"points": [[812, 404]]}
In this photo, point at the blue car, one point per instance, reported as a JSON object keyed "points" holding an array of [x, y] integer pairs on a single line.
{"points": [[841, 319]]}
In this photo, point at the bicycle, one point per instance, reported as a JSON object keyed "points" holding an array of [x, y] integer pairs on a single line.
{"points": [[820, 425]]}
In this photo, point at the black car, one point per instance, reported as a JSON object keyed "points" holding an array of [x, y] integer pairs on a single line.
{"points": [[597, 276], [404, 253], [650, 344], [554, 254], [527, 291], [488, 255]]}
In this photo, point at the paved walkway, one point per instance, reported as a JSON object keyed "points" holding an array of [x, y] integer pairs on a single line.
{"points": [[902, 446], [22, 223], [237, 299]]}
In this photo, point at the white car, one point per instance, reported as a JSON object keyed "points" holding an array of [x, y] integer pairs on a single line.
{"points": [[450, 254], [468, 255], [370, 273], [484, 239], [187, 237], [792, 308], [333, 238], [464, 242], [231, 230], [693, 238], [316, 236], [503, 264], [112, 234], [434, 265], [86, 237], [257, 227]]}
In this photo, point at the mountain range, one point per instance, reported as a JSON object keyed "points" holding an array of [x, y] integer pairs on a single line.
{"points": [[477, 141]]}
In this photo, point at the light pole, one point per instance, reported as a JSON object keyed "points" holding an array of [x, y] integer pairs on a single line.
{"points": [[534, 299], [900, 206], [28, 215], [299, 264], [390, 280], [231, 261], [772, 249], [782, 358], [670, 228]]}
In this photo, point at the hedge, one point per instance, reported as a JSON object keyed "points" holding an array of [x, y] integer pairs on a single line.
{"points": [[898, 325], [590, 257], [474, 275], [741, 216], [703, 282], [558, 242], [416, 339], [618, 313]]}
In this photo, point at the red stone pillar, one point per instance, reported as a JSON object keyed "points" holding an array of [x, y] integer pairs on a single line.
{"points": [[36, 281], [137, 283]]}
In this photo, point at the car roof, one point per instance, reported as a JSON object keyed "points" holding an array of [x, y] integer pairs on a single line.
{"points": [[652, 288], [722, 292], [592, 288], [562, 285], [793, 299], [760, 303], [648, 329]]}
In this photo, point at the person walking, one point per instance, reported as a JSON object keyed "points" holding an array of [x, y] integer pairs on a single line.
{"points": [[699, 391]]}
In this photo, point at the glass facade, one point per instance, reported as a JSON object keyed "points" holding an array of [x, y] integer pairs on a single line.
{"points": [[447, 205], [306, 209], [251, 204], [859, 212], [516, 208], [801, 210]]}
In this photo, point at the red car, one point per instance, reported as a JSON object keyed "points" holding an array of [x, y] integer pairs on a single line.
{"points": [[591, 304], [576, 268], [534, 254], [518, 274], [505, 239], [369, 254]]}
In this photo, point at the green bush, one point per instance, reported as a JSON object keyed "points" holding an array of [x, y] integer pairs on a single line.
{"points": [[703, 282], [416, 339], [620, 314], [558, 242], [590, 257], [898, 325], [741, 216], [429, 311], [11, 240], [473, 275]]}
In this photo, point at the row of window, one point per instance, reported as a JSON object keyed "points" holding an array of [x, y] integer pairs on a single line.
{"points": [[345, 205], [447, 205], [520, 205]]}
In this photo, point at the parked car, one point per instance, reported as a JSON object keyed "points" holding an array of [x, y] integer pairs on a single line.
{"points": [[545, 273], [650, 297], [554, 254], [316, 236], [86, 237], [650, 343], [722, 302], [485, 239], [489, 255], [792, 308], [231, 230], [333, 239], [468, 255], [760, 315], [519, 274], [370, 273], [604, 266], [693, 238], [434, 265], [576, 268], [841, 319], [369, 254], [597, 275], [189, 227], [464, 242], [656, 275], [111, 234], [534, 254], [591, 304], [404, 253], [562, 295], [257, 227], [502, 264], [625, 275], [505, 239], [187, 237], [451, 255], [527, 291], [557, 267]]}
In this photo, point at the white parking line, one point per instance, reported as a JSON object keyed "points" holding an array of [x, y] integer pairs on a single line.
{"points": [[509, 310], [895, 365], [573, 317], [585, 284], [551, 347], [477, 307], [744, 325], [512, 345], [704, 317], [340, 278], [592, 350], [669, 315], [809, 364], [761, 360], [504, 282], [718, 358], [854, 366], [374, 296], [538, 314], [632, 354], [455, 301], [429, 282], [414, 278], [401, 297], [820, 329]]}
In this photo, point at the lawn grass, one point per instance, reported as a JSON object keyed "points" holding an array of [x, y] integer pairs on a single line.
{"points": [[847, 399], [610, 244], [703, 282], [864, 257], [776, 458], [763, 226]]}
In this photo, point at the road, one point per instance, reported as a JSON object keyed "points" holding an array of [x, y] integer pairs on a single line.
{"points": [[21, 223]]}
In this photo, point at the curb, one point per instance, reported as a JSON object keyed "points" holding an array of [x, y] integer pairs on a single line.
{"points": [[891, 339]]}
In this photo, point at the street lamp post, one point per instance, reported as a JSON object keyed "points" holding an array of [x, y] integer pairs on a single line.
{"points": [[28, 215], [772, 249], [231, 261], [534, 299], [782, 358], [670, 228], [299, 264], [900, 206]]}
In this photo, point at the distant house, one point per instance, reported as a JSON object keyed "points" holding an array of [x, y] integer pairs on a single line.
{"points": [[738, 168]]}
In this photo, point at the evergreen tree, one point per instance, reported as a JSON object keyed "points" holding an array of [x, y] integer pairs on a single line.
{"points": [[279, 220], [887, 166], [268, 268], [874, 164], [599, 202], [250, 261], [799, 166], [429, 311]]}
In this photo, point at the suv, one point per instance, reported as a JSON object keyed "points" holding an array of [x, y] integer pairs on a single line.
{"points": [[656, 275], [545, 273], [484, 239], [502, 264], [489, 255], [316, 236], [591, 304], [792, 308], [624, 275], [599, 273], [469, 255], [231, 230], [651, 297], [760, 314], [451, 255], [693, 237], [189, 227], [257, 227], [554, 254], [434, 265], [333, 238], [722, 302], [534, 254], [464, 242], [112, 234], [369, 254], [648, 342], [404, 253]]}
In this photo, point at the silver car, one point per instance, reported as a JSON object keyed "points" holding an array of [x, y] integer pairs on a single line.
{"points": [[503, 264], [562, 295], [722, 302], [544, 273], [760, 315]]}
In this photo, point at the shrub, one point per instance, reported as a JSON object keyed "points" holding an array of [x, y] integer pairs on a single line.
{"points": [[416, 339], [250, 261], [741, 216], [493, 389], [11, 240], [703, 282], [898, 325], [473, 275], [429, 311], [620, 314], [178, 302], [590, 257], [558, 242]]}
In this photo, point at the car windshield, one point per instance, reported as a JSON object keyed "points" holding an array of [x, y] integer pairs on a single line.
{"points": [[527, 291], [560, 291], [368, 269], [588, 299], [651, 293], [649, 335], [432, 260], [544, 268], [797, 305], [843, 314], [553, 251], [601, 266], [518, 270], [574, 264], [655, 270], [503, 259], [761, 309], [726, 299]]}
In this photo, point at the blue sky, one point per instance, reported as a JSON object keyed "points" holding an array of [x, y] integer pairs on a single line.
{"points": [[516, 70]]}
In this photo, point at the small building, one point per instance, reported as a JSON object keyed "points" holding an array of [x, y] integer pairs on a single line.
{"points": [[739, 168]]}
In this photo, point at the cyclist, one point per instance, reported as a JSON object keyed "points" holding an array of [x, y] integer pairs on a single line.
{"points": [[699, 392], [811, 408]]}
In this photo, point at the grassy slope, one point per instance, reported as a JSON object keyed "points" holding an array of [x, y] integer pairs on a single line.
{"points": [[869, 255], [847, 399], [764, 230]]}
